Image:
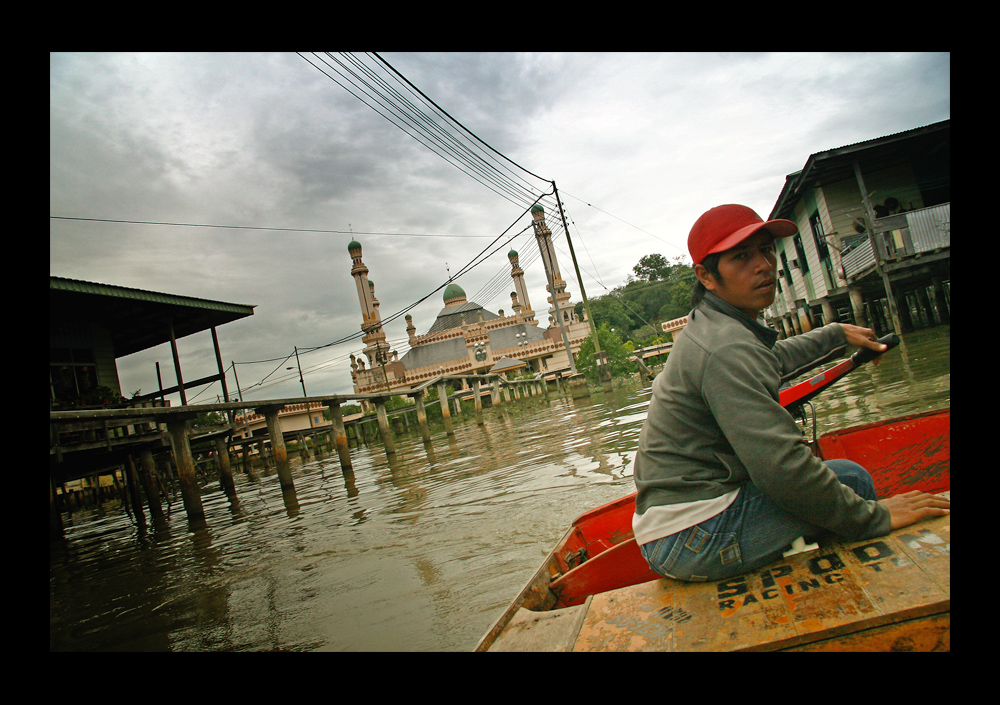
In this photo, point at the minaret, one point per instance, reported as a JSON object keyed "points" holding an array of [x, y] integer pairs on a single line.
{"points": [[544, 237], [411, 330], [517, 274], [371, 322]]}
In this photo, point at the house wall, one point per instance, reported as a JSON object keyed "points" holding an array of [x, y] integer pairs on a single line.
{"points": [[80, 335], [104, 354]]}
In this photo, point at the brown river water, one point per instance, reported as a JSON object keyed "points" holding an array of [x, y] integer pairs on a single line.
{"points": [[420, 553]]}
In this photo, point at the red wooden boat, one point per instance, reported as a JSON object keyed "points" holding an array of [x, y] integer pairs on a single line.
{"points": [[598, 554]]}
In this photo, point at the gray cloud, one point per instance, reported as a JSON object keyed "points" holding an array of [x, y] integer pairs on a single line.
{"points": [[266, 140]]}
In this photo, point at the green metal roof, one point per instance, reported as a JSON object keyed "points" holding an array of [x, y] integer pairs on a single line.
{"points": [[83, 287], [452, 291], [138, 319]]}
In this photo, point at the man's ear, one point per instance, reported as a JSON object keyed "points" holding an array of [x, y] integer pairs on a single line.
{"points": [[705, 277]]}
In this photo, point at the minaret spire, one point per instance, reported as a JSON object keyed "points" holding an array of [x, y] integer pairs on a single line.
{"points": [[517, 274], [371, 322], [560, 296]]}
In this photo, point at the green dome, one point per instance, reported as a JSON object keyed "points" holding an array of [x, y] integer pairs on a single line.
{"points": [[512, 254], [537, 209], [353, 245], [453, 291]]}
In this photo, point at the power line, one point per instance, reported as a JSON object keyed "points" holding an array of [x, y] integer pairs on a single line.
{"points": [[450, 141], [475, 262], [427, 129], [375, 54], [403, 117], [626, 222], [250, 227]]}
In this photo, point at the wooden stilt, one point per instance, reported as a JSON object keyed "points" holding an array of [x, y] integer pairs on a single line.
{"points": [[183, 458], [340, 437], [225, 468], [383, 425], [270, 414]]}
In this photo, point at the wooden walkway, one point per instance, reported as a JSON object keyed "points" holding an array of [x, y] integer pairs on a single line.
{"points": [[887, 594]]}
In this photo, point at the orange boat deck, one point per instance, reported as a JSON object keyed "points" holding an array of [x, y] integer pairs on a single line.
{"points": [[887, 594]]}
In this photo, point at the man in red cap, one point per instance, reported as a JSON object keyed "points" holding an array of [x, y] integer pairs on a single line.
{"points": [[724, 483]]}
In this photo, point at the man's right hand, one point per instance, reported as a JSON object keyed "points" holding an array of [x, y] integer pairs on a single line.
{"points": [[910, 507]]}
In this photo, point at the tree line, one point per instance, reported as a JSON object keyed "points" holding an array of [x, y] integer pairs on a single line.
{"points": [[629, 316]]}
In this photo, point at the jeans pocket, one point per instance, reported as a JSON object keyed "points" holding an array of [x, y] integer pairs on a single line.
{"points": [[707, 556], [695, 555], [730, 552], [657, 553]]}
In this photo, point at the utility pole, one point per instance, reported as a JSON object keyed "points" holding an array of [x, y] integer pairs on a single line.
{"points": [[303, 383], [246, 424], [600, 357]]}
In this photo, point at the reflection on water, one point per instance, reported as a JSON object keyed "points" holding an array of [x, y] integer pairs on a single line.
{"points": [[421, 552], [916, 376]]}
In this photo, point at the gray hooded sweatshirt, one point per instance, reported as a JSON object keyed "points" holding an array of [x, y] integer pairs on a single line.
{"points": [[715, 423]]}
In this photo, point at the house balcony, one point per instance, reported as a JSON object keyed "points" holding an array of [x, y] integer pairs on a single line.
{"points": [[899, 237]]}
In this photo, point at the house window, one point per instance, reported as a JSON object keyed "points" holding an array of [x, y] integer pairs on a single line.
{"points": [[822, 249], [72, 373], [801, 254], [785, 268]]}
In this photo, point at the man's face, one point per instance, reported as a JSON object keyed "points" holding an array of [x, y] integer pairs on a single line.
{"points": [[748, 274]]}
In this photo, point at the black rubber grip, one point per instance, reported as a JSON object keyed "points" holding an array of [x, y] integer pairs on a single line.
{"points": [[867, 354]]}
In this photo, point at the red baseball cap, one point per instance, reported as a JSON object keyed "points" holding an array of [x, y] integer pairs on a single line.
{"points": [[724, 227]]}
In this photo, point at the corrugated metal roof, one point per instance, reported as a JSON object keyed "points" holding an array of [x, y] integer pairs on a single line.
{"points": [[136, 319], [838, 161], [84, 287]]}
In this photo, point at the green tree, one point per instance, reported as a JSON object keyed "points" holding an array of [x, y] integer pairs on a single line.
{"points": [[209, 418], [653, 267], [612, 344], [660, 291]]}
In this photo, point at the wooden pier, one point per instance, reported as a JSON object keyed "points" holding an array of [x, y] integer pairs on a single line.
{"points": [[127, 434]]}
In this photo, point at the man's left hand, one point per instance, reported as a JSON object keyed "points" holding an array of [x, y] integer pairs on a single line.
{"points": [[864, 338]]}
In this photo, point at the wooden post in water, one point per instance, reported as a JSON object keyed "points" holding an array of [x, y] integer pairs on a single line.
{"points": [[184, 459], [445, 411], [340, 436], [478, 396], [225, 468], [133, 492], [278, 450], [383, 425], [578, 386], [495, 393], [425, 431], [147, 474]]}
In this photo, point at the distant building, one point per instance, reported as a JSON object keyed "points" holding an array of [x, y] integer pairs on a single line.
{"points": [[465, 338], [874, 242], [293, 417]]}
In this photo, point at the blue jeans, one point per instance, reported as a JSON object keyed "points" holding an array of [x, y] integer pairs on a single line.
{"points": [[752, 532]]}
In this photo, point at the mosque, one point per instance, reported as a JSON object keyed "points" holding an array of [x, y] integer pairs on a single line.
{"points": [[465, 338]]}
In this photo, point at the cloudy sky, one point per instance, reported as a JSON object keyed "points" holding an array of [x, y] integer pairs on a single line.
{"points": [[293, 163]]}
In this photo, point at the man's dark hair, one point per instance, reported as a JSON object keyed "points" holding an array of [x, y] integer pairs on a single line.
{"points": [[711, 263]]}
